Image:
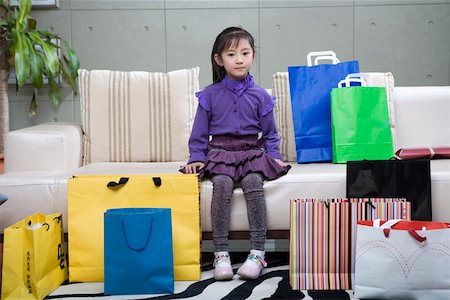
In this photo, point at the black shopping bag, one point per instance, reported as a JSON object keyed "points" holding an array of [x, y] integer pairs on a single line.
{"points": [[408, 179]]}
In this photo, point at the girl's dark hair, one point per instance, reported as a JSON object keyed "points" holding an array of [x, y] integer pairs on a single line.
{"points": [[223, 41]]}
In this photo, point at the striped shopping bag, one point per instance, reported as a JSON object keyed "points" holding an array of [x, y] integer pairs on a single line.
{"points": [[323, 238]]}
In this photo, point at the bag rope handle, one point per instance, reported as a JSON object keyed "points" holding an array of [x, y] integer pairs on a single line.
{"points": [[388, 225], [137, 246], [121, 182]]}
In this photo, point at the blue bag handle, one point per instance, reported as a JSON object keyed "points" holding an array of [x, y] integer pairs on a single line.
{"points": [[137, 229]]}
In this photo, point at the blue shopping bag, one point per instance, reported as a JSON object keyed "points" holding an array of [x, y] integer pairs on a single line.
{"points": [[310, 88], [138, 254]]}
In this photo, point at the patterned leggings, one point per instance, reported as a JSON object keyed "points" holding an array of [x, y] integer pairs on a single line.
{"points": [[223, 187]]}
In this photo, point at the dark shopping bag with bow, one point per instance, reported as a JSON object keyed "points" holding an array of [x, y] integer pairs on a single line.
{"points": [[138, 251], [34, 257], [310, 88], [402, 260], [409, 179]]}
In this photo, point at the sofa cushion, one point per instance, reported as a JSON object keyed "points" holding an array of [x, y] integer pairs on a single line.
{"points": [[422, 114], [137, 116]]}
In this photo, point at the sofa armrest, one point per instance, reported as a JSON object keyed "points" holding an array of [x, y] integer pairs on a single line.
{"points": [[44, 147]]}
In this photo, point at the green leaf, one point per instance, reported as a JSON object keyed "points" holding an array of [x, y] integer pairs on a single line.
{"points": [[33, 106], [72, 60], [50, 53], [48, 34], [67, 78], [52, 59], [15, 17], [10, 18], [21, 58], [24, 11], [54, 91], [32, 23], [36, 67]]}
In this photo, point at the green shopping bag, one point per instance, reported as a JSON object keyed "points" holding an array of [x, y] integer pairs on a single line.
{"points": [[360, 123]]}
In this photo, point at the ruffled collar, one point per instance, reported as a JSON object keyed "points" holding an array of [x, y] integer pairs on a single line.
{"points": [[238, 86]]}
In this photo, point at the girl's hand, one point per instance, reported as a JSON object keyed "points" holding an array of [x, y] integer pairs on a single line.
{"points": [[281, 163], [193, 167]]}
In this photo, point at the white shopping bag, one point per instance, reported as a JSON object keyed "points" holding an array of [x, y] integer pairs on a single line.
{"points": [[402, 260]]}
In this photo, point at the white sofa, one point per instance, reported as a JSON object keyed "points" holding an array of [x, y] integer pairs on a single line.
{"points": [[39, 160]]}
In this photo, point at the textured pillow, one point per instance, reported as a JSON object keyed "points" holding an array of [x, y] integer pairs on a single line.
{"points": [[137, 116], [283, 115]]}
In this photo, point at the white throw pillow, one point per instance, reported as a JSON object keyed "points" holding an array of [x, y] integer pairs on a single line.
{"points": [[137, 116]]}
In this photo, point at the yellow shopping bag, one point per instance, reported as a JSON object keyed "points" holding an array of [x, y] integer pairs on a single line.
{"points": [[91, 195], [34, 257]]}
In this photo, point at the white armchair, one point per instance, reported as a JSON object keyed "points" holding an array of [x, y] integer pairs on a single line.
{"points": [[47, 147]]}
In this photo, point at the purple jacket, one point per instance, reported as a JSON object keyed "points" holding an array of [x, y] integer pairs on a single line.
{"points": [[236, 108]]}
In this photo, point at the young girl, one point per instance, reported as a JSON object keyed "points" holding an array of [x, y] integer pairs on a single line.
{"points": [[234, 110]]}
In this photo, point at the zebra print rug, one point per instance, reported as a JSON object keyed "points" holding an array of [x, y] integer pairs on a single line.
{"points": [[272, 284]]}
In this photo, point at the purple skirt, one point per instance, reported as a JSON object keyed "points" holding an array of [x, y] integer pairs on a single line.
{"points": [[237, 156]]}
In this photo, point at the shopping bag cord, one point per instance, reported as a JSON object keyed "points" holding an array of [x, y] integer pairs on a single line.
{"points": [[415, 235], [121, 182], [371, 204]]}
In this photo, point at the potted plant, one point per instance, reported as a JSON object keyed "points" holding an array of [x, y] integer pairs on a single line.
{"points": [[34, 55]]}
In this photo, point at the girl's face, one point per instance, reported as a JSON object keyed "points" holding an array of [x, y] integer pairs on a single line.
{"points": [[237, 60]]}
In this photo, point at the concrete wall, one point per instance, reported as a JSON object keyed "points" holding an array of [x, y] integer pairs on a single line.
{"points": [[409, 38]]}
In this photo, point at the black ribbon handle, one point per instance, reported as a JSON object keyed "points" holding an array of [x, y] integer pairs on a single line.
{"points": [[157, 181], [123, 180]]}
